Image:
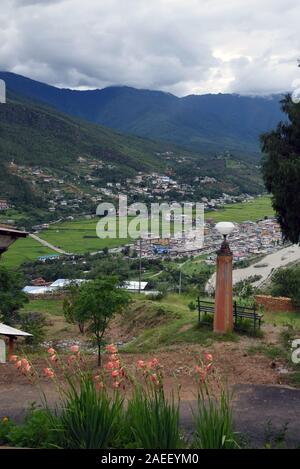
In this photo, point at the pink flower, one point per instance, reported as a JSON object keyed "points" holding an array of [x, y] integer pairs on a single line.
{"points": [[99, 385], [74, 348], [208, 367], [49, 372], [19, 364], [114, 357], [202, 373], [13, 358], [51, 351], [111, 348], [116, 384], [24, 362], [115, 374], [110, 366], [154, 379], [153, 363], [28, 368], [208, 357], [97, 378], [54, 358], [71, 359], [141, 364], [117, 364]]}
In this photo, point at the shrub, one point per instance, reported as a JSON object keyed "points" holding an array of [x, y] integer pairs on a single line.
{"points": [[38, 430], [6, 426], [286, 282], [192, 306]]}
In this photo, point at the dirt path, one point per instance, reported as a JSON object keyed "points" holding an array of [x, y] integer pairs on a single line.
{"points": [[49, 245]]}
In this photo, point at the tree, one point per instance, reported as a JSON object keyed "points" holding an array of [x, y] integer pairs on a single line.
{"points": [[12, 299], [34, 323], [281, 169], [95, 305], [68, 307], [286, 282]]}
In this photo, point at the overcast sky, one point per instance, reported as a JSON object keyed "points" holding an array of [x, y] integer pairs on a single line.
{"points": [[180, 46]]}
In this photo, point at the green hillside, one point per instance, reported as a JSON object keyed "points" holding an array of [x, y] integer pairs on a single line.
{"points": [[32, 135]]}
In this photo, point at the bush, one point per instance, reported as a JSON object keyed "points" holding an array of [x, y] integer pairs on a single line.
{"points": [[192, 306], [36, 432], [286, 282]]}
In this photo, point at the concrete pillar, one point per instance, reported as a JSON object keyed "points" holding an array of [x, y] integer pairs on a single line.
{"points": [[11, 346], [223, 318]]}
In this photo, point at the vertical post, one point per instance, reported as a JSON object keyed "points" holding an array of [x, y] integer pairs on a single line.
{"points": [[179, 286], [235, 313], [11, 345], [140, 266], [223, 318], [199, 309]]}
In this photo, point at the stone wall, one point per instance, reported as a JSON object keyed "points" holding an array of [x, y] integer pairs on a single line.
{"points": [[272, 303]]}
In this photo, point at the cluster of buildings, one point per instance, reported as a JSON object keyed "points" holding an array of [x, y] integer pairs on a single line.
{"points": [[248, 239], [4, 205]]}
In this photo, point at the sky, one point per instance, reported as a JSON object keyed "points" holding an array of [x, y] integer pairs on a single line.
{"points": [[179, 46]]}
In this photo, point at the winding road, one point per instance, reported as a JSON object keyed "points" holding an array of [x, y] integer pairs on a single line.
{"points": [[264, 267]]}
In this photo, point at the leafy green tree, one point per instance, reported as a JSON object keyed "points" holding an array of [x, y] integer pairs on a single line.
{"points": [[96, 304], [12, 299], [281, 169], [35, 323], [68, 307]]}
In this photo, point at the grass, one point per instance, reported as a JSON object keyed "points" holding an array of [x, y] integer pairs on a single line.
{"points": [[75, 237], [181, 326], [282, 318], [24, 250], [53, 307], [252, 210], [80, 236], [270, 351]]}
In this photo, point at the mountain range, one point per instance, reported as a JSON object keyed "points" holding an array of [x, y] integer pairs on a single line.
{"points": [[209, 123]]}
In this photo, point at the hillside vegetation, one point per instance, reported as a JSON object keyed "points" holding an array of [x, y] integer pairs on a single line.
{"points": [[206, 123], [34, 135]]}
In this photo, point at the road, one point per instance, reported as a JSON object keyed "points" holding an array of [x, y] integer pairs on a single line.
{"points": [[49, 245], [264, 267]]}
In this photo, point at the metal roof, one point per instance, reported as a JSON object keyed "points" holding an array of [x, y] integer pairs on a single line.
{"points": [[11, 331], [133, 285], [6, 230]]}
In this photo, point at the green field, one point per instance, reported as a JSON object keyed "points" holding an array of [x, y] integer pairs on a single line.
{"points": [[80, 237], [74, 237], [252, 210], [24, 250], [50, 306]]}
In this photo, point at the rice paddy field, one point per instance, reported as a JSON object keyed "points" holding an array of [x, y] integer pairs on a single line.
{"points": [[253, 210]]}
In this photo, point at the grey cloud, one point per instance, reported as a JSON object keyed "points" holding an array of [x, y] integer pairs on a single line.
{"points": [[181, 46]]}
